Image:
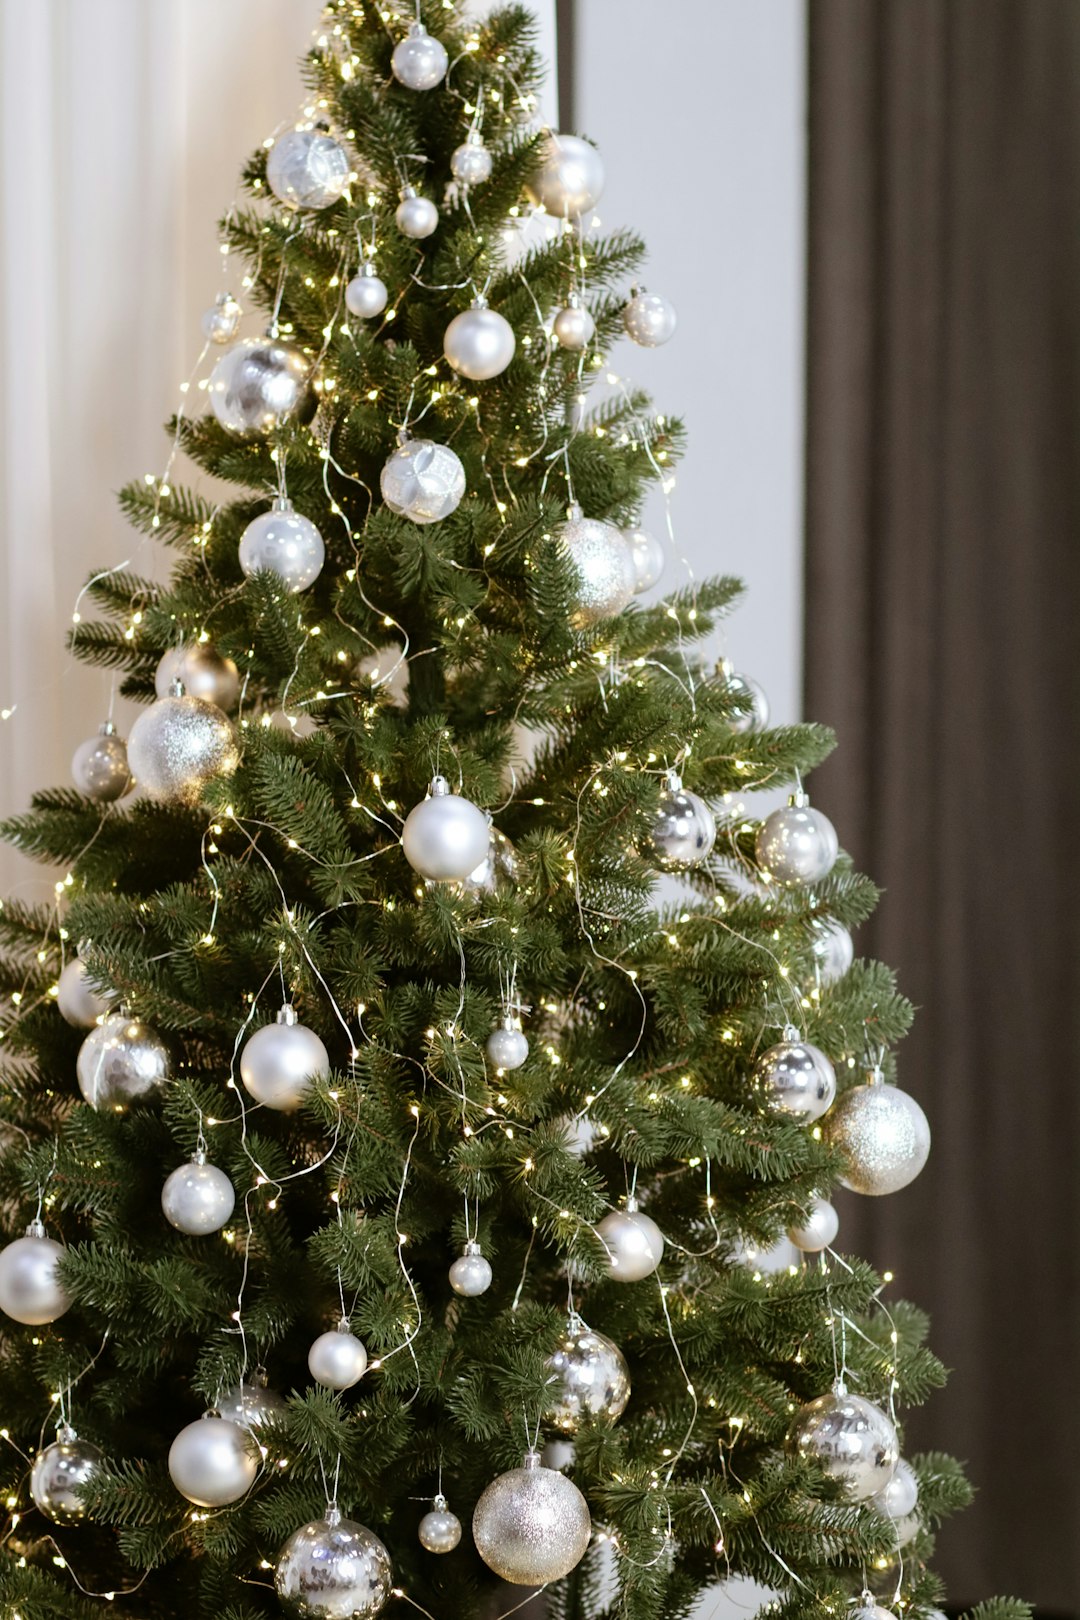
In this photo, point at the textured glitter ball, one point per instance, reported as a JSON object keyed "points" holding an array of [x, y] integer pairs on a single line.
{"points": [[178, 744], [884, 1138], [531, 1525], [604, 567]]}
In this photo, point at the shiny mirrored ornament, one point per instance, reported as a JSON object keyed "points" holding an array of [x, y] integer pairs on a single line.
{"points": [[647, 554], [833, 948], [30, 1290], [574, 327], [571, 176], [423, 481], [753, 704], [470, 163], [470, 1274], [439, 1530], [333, 1569], [900, 1495], [817, 1229], [79, 1003], [634, 1243], [213, 1462], [882, 1135], [366, 295], [337, 1359], [508, 1047], [279, 1062], [120, 1062], [588, 1377], [851, 1438], [684, 830], [603, 564], [497, 870], [649, 319], [479, 343], [415, 216], [99, 766], [795, 1079], [59, 1473], [179, 744], [251, 1404], [307, 168], [531, 1525], [221, 322], [797, 845], [445, 837], [419, 60], [284, 543], [198, 1198], [260, 384], [202, 671]]}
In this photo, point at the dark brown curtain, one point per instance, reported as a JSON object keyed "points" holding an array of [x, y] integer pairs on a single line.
{"points": [[943, 631]]}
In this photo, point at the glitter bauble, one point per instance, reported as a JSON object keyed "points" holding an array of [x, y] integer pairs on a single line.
{"points": [[213, 1462], [366, 294], [573, 327], [634, 1243], [59, 1472], [279, 1062], [419, 60], [445, 837], [649, 319], [120, 1062], [684, 831], [416, 216], [337, 1359], [333, 1569], [423, 481], [507, 1048], [833, 948], [817, 1229], [589, 1378], [604, 568], [470, 1274], [307, 169], [647, 554], [99, 766], [471, 161], [883, 1137], [531, 1525], [284, 543], [79, 1003], [851, 1438], [30, 1290], [260, 384], [795, 1079], [198, 1198], [900, 1495], [221, 322], [439, 1530], [479, 343], [251, 1404], [571, 178], [202, 671], [797, 845], [179, 744]]}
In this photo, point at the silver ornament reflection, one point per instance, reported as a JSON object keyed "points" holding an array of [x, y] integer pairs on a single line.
{"points": [[419, 60], [58, 1474], [439, 1530], [366, 294], [817, 1230], [252, 1404], [99, 766], [753, 704], [851, 1438], [423, 481], [337, 1359], [279, 1062], [647, 554], [213, 1462], [574, 327], [79, 1003], [508, 1047], [833, 948], [197, 1198], [883, 1137], [120, 1062], [284, 543], [260, 384], [221, 322], [649, 319], [333, 1569], [634, 1243], [479, 343], [416, 216], [179, 744], [30, 1290], [202, 671], [604, 567], [900, 1495], [445, 837], [307, 169], [797, 845], [531, 1525], [868, 1610], [794, 1078], [571, 178], [684, 830], [470, 1274], [589, 1378], [471, 161], [497, 870]]}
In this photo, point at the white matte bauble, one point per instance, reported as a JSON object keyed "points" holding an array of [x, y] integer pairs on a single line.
{"points": [[59, 1472], [284, 543], [251, 1404], [900, 1495], [647, 553], [797, 845], [279, 1062], [202, 671], [574, 327], [508, 1047], [795, 1079], [260, 384], [571, 178], [445, 837], [470, 1274], [307, 169], [479, 343], [221, 322], [333, 1569], [213, 1462], [416, 216], [99, 766], [883, 1137], [179, 744], [470, 163], [851, 1438], [588, 1376], [649, 319], [30, 1290], [337, 1359], [603, 564], [817, 1229], [634, 1243], [423, 481], [120, 1062], [531, 1525], [439, 1530], [419, 60], [833, 948], [684, 831], [366, 294], [198, 1198], [79, 1003]]}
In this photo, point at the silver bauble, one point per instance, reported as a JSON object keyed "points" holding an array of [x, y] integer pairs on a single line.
{"points": [[279, 1062], [795, 1079], [30, 1290], [213, 1462], [439, 1530], [684, 830], [58, 1473], [851, 1438], [202, 671], [260, 384], [423, 481], [198, 1198], [866, 1610], [532, 1525], [634, 1243], [419, 60], [571, 178], [366, 294], [179, 744], [120, 1062], [479, 343], [416, 216], [497, 870], [250, 1404], [337, 1359], [589, 1378], [796, 845], [445, 837], [470, 1274], [471, 161], [647, 554], [79, 1003], [574, 327], [883, 1137], [307, 169], [333, 1569], [99, 766], [754, 705], [649, 319], [508, 1047], [833, 948], [900, 1495], [817, 1229], [284, 543], [221, 322], [604, 567]]}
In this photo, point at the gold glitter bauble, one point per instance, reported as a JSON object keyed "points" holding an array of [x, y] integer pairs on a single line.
{"points": [[532, 1524]]}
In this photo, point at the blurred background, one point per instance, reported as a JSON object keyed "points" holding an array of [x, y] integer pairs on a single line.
{"points": [[867, 213]]}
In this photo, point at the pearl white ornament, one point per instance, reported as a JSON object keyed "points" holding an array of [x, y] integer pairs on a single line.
{"points": [[571, 180], [647, 552], [198, 1198], [574, 327], [59, 1471], [99, 766], [471, 161], [307, 169], [284, 543], [337, 1359], [589, 1377], [30, 1291], [251, 1404], [366, 294], [900, 1495], [817, 1230], [419, 60], [120, 1062], [882, 1135], [634, 1243], [221, 322], [423, 481], [202, 671], [649, 319], [79, 1003], [260, 384], [508, 1047], [279, 1062], [684, 831], [333, 1569], [416, 216], [179, 744], [479, 343], [531, 1525], [445, 837], [470, 1274], [439, 1530], [213, 1462], [794, 1078], [797, 845], [850, 1437], [833, 948], [604, 567]]}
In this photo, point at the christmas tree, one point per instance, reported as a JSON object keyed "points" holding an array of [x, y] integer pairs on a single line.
{"points": [[385, 1158]]}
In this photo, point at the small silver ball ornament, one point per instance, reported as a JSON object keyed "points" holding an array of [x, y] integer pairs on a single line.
{"points": [[470, 1274], [479, 343], [120, 1062], [59, 1471], [531, 1525], [833, 948], [79, 1003], [338, 1359], [753, 704], [366, 295], [604, 567], [260, 384], [445, 836], [250, 1404], [307, 168], [221, 322], [817, 1229], [423, 481], [574, 327], [198, 1198], [179, 744], [507, 1048], [498, 869], [796, 845], [99, 766], [416, 216], [333, 1569], [571, 178], [851, 1438], [882, 1135], [30, 1290], [419, 60], [589, 1377], [213, 1462], [795, 1079], [284, 543], [634, 1243], [439, 1530], [202, 671], [470, 163], [649, 319], [684, 831], [900, 1495], [279, 1062], [647, 554]]}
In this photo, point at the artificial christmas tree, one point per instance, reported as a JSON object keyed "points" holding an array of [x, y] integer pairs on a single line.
{"points": [[384, 1127]]}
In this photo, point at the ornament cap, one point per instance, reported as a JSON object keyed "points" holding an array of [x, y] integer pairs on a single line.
{"points": [[799, 799], [574, 300], [574, 513], [282, 503], [440, 787], [439, 1503], [367, 268], [474, 138], [531, 1459], [199, 1156], [875, 1076], [479, 302], [176, 687], [574, 1322], [472, 1248], [673, 782], [106, 729], [344, 1325], [333, 1514], [839, 1388], [287, 1015], [36, 1229], [631, 1206], [65, 1434], [407, 192], [417, 30]]}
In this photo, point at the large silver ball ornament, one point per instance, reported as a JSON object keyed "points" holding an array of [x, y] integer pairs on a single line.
{"points": [[851, 1438], [99, 766], [479, 343], [30, 1290], [634, 1243], [179, 744], [439, 1530], [259, 385], [198, 1198], [796, 845], [423, 481], [445, 837], [603, 564], [250, 1404], [649, 319], [833, 948], [571, 178], [900, 1495], [817, 1229], [366, 294], [883, 1137], [684, 831], [470, 163], [867, 1610], [120, 1062], [508, 1047], [59, 1472], [279, 1062], [79, 1003], [589, 1378], [202, 671], [470, 1274], [213, 1462], [419, 60], [284, 543], [647, 554], [416, 216], [337, 1359], [333, 1569], [794, 1079], [307, 169], [574, 327], [532, 1524]]}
